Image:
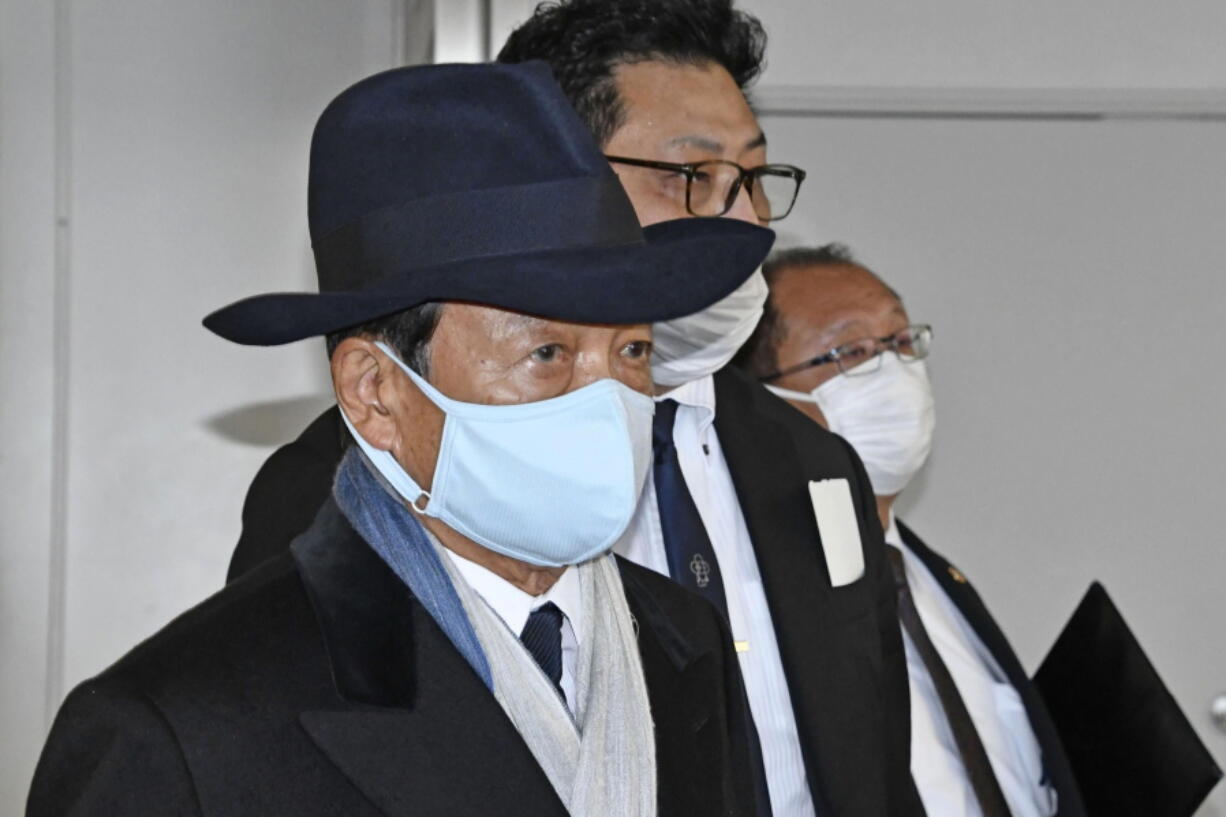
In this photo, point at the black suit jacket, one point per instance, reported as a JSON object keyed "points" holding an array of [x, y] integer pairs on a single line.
{"points": [[317, 685], [964, 597], [841, 647]]}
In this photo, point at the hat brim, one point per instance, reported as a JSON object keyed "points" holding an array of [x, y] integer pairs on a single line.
{"points": [[683, 267]]}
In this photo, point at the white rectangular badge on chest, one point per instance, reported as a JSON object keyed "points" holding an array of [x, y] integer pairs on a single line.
{"points": [[837, 526]]}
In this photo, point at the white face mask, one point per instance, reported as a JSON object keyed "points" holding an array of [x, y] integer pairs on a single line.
{"points": [[552, 483], [694, 346], [887, 416]]}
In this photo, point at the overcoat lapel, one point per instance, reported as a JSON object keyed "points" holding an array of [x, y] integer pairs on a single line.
{"points": [[827, 637], [968, 601], [695, 772], [413, 727], [416, 730]]}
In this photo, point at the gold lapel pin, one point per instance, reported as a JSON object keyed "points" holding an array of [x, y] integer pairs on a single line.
{"points": [[956, 575]]}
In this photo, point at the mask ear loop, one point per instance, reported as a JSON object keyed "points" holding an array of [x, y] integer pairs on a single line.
{"points": [[376, 456], [413, 506]]}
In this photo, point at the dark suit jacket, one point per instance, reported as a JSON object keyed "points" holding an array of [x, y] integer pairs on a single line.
{"points": [[964, 597], [841, 647], [317, 685]]}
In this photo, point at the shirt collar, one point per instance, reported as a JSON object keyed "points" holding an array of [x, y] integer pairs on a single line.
{"points": [[892, 535], [513, 605], [697, 394]]}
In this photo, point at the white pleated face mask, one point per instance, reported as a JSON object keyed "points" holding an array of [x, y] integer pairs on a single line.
{"points": [[694, 346], [888, 416], [552, 483]]}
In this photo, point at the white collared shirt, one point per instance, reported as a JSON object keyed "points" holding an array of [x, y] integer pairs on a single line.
{"points": [[994, 704], [710, 483], [514, 606]]}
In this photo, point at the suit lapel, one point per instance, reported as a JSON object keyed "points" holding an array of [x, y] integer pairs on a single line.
{"points": [[413, 727], [968, 601], [964, 597], [690, 748], [828, 648]]}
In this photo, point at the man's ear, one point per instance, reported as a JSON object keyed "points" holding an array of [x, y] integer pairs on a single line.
{"points": [[360, 375]]}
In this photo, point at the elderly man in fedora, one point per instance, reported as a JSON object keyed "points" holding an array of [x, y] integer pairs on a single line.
{"points": [[452, 635]]}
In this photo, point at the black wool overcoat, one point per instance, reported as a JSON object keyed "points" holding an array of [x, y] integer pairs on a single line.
{"points": [[318, 685]]}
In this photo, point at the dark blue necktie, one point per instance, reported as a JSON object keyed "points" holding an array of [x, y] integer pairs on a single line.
{"points": [[691, 559], [542, 636]]}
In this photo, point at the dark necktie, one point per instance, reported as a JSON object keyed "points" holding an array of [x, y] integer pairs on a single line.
{"points": [[542, 636], [691, 559], [970, 747]]}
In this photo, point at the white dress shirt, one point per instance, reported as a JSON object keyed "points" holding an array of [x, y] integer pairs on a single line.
{"points": [[710, 483], [994, 704], [514, 606]]}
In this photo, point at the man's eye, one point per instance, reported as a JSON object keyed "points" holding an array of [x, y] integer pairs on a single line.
{"points": [[637, 349], [547, 354]]}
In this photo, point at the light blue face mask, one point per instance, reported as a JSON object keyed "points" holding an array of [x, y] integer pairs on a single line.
{"points": [[552, 483]]}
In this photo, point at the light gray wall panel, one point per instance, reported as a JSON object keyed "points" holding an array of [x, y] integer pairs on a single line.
{"points": [[28, 408], [1009, 43], [172, 138]]}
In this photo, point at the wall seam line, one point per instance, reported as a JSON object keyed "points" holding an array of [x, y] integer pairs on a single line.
{"points": [[60, 341]]}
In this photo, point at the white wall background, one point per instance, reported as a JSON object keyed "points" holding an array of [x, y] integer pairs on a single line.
{"points": [[152, 167], [153, 162]]}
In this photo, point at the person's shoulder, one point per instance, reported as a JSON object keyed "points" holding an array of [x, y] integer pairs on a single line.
{"points": [[287, 491], [935, 561], [751, 402], [251, 629], [317, 449]]}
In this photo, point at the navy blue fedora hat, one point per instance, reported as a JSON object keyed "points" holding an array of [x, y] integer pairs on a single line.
{"points": [[480, 183]]}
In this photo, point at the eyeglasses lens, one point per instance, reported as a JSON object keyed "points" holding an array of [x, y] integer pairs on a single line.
{"points": [[858, 357], [773, 196], [912, 343], [709, 188]]}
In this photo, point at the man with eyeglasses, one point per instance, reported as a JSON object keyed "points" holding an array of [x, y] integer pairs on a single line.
{"points": [[837, 343], [729, 511]]}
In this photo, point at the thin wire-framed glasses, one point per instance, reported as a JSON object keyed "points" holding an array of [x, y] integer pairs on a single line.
{"points": [[861, 357], [711, 187]]}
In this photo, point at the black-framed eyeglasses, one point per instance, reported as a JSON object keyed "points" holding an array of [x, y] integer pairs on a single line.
{"points": [[711, 186], [857, 358]]}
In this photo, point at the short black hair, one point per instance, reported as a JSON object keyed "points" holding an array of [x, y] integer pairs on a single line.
{"points": [[585, 41], [757, 356], [408, 333]]}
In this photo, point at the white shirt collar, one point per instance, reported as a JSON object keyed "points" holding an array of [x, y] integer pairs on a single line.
{"points": [[698, 394], [513, 605], [892, 534]]}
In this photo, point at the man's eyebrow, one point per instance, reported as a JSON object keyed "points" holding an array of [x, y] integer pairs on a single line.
{"points": [[843, 325], [757, 142], [695, 141]]}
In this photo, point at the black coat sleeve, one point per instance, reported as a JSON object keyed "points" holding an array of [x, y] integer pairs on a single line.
{"points": [[111, 753]]}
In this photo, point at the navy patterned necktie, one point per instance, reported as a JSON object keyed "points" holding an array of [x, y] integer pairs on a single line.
{"points": [[542, 636], [691, 559]]}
